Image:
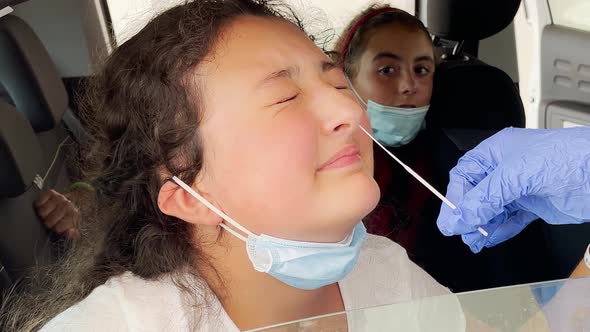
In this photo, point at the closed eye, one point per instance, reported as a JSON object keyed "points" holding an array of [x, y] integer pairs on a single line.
{"points": [[287, 99]]}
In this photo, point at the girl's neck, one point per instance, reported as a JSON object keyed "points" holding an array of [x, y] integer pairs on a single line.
{"points": [[254, 299]]}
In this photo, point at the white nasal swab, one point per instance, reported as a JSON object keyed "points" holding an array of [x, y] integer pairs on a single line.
{"points": [[419, 178]]}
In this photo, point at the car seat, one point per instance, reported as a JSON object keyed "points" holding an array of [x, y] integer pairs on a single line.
{"points": [[24, 241], [471, 101]]}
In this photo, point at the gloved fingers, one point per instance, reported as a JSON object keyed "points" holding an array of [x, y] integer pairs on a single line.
{"points": [[492, 196], [463, 178], [511, 227], [477, 207], [564, 210], [470, 170], [500, 229], [450, 223], [474, 239]]}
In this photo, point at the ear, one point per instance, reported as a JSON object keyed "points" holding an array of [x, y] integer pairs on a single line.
{"points": [[177, 202]]}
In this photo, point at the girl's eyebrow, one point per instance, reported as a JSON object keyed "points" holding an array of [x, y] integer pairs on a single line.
{"points": [[424, 58], [396, 57], [328, 65], [288, 72], [387, 55], [291, 71]]}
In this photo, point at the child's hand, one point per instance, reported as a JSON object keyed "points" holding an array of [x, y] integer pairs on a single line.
{"points": [[59, 214]]}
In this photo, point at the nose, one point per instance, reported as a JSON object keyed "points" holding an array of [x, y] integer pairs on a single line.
{"points": [[339, 111], [407, 84]]}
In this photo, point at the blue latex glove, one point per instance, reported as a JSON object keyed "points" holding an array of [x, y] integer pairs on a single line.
{"points": [[515, 177]]}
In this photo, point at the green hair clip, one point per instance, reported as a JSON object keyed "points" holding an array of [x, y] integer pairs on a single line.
{"points": [[81, 185]]}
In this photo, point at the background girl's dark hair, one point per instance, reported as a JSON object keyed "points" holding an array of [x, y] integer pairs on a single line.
{"points": [[358, 42], [143, 109]]}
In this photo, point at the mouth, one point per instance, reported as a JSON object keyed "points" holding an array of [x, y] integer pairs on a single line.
{"points": [[407, 106], [349, 155]]}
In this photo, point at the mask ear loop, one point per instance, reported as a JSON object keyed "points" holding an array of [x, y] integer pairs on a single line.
{"points": [[216, 211], [406, 167]]}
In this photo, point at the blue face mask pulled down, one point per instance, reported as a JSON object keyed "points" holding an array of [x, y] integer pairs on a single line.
{"points": [[303, 265], [394, 126], [306, 265]]}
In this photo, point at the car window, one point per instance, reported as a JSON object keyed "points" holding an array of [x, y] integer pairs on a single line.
{"points": [[571, 13]]}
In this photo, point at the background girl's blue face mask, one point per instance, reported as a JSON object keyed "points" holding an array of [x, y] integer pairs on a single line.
{"points": [[393, 126]]}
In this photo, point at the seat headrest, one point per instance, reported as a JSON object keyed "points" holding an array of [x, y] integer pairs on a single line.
{"points": [[474, 95], [29, 75], [20, 152], [470, 19]]}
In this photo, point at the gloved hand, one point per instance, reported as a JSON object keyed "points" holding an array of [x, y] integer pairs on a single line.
{"points": [[515, 177]]}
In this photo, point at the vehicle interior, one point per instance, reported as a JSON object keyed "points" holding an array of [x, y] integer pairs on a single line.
{"points": [[508, 63]]}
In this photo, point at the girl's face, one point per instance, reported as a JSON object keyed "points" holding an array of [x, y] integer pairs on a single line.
{"points": [[283, 152], [396, 68]]}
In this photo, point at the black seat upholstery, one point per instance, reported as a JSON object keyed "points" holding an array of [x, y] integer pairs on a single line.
{"points": [[470, 94], [471, 101], [470, 20], [24, 241], [32, 83], [467, 92], [473, 95], [470, 97], [29, 76], [36, 142], [5, 282]]}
